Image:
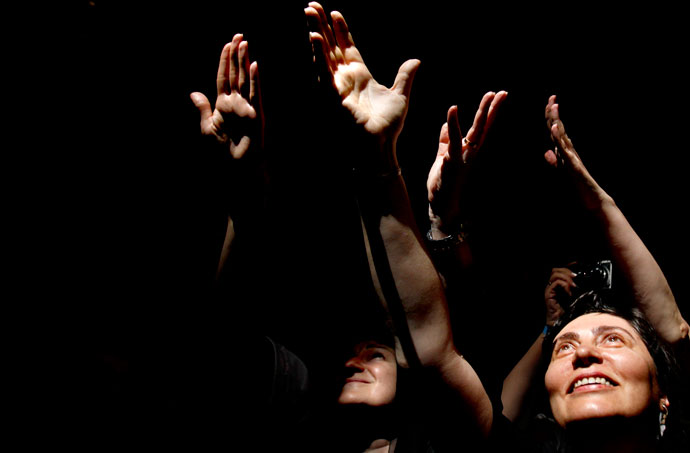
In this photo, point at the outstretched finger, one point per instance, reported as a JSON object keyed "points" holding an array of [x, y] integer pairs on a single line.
{"points": [[342, 32], [243, 81], [222, 84], [255, 87], [454, 134], [321, 59], [493, 110], [549, 111], [232, 68], [323, 27], [565, 151], [314, 22], [474, 135], [558, 130], [344, 51]]}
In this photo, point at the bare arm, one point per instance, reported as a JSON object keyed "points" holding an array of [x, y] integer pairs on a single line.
{"points": [[517, 384], [235, 126], [379, 113], [651, 291]]}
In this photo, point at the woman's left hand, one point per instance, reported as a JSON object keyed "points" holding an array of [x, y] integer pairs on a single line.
{"points": [[380, 111], [448, 175]]}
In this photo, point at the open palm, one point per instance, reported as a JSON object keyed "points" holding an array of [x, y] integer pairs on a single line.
{"points": [[380, 110]]}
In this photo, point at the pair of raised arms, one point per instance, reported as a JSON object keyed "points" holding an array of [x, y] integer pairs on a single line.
{"points": [[237, 119], [236, 122]]}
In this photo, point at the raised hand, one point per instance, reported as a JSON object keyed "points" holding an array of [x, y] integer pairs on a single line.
{"points": [[237, 120], [448, 175], [379, 110], [564, 156], [561, 284]]}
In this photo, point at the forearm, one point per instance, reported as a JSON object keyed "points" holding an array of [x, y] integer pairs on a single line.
{"points": [[387, 214], [247, 210], [386, 208], [518, 382], [642, 273]]}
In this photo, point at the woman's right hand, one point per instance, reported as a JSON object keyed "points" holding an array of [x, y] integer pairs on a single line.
{"points": [[237, 120], [558, 290], [448, 175], [563, 155]]}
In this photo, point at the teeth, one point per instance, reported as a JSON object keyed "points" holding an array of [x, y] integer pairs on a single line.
{"points": [[592, 380]]}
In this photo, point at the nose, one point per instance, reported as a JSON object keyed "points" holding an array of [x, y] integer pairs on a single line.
{"points": [[586, 356], [355, 362]]}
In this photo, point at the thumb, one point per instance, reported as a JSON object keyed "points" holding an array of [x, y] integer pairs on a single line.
{"points": [[201, 102], [403, 81]]}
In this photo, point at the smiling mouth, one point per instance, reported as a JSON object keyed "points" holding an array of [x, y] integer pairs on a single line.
{"points": [[356, 380], [592, 380]]}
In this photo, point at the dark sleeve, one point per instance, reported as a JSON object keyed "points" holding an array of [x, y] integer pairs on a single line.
{"points": [[289, 382]]}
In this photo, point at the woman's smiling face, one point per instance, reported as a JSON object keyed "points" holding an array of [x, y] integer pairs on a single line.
{"points": [[372, 376], [600, 367]]}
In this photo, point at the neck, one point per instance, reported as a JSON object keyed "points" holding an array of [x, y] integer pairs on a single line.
{"points": [[612, 435]]}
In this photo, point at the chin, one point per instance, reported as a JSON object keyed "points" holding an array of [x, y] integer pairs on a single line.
{"points": [[366, 400], [601, 412], [354, 398]]}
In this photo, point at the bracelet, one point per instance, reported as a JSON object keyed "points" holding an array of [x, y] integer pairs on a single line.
{"points": [[447, 244], [547, 329]]}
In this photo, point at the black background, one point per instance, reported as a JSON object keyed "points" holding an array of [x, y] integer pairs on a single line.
{"points": [[135, 202]]}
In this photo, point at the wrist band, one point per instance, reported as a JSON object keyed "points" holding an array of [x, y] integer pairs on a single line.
{"points": [[547, 329], [446, 244]]}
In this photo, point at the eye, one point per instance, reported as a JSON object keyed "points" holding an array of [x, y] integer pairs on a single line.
{"points": [[613, 338], [377, 355], [564, 348]]}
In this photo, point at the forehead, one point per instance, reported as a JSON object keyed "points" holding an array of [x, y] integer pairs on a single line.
{"points": [[591, 321]]}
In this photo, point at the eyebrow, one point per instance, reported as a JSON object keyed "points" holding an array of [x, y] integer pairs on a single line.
{"points": [[602, 329], [596, 331], [567, 336]]}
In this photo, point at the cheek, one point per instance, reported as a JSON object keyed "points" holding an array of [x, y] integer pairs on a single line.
{"points": [[553, 379], [640, 373], [554, 382], [386, 379]]}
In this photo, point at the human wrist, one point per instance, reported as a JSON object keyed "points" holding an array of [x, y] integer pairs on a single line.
{"points": [[378, 156], [440, 228], [441, 242]]}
